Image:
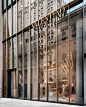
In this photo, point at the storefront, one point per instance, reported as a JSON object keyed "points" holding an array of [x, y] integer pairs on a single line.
{"points": [[46, 58]]}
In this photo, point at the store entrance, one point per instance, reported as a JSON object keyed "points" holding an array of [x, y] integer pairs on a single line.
{"points": [[11, 83]]}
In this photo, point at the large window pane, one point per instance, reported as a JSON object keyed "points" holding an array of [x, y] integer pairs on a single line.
{"points": [[9, 54], [20, 84], [26, 13], [51, 6], [42, 61], [63, 60], [9, 22], [33, 11], [42, 8], [85, 52], [34, 63], [4, 26], [61, 3], [9, 2], [14, 19], [14, 52], [4, 4], [76, 55], [26, 63], [4, 70], [51, 53], [20, 18]]}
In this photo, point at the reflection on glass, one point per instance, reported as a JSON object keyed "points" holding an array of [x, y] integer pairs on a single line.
{"points": [[34, 62], [9, 22], [26, 13], [9, 54], [61, 3], [20, 18], [14, 19], [84, 2], [51, 6], [33, 11], [14, 52], [76, 7], [4, 70], [51, 53], [4, 4], [63, 61], [26, 63], [42, 8], [9, 2], [42, 61], [20, 84], [4, 26], [13, 0], [76, 67], [85, 52]]}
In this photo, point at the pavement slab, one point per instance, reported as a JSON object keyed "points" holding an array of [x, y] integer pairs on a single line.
{"points": [[9, 102]]}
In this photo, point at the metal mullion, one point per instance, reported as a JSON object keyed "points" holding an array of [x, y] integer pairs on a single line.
{"points": [[23, 15], [2, 69], [29, 12], [23, 48], [16, 16], [38, 62], [37, 9], [23, 63], [56, 57], [17, 45], [38, 50], [14, 83], [30, 63], [11, 37], [69, 49], [83, 58], [2, 55], [6, 53], [17, 64], [46, 66], [6, 68]]}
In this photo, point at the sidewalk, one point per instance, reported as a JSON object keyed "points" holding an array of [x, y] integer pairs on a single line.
{"points": [[6, 102]]}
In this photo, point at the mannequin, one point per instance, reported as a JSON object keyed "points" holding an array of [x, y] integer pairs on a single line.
{"points": [[73, 91], [63, 91]]}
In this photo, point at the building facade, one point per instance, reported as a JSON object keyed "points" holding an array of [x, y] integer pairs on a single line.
{"points": [[43, 50]]}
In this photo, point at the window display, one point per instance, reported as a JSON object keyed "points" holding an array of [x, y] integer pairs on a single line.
{"points": [[34, 62], [76, 55], [42, 60], [20, 75], [63, 61], [26, 63], [51, 54]]}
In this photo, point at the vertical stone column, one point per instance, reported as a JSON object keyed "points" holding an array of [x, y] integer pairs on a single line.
{"points": [[79, 61], [1, 30]]}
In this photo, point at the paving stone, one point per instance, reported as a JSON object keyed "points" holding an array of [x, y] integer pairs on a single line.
{"points": [[7, 102]]}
